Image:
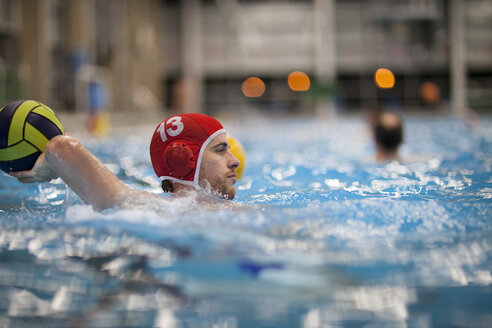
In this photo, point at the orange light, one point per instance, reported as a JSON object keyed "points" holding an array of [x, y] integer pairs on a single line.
{"points": [[384, 78], [430, 93], [253, 87], [298, 81]]}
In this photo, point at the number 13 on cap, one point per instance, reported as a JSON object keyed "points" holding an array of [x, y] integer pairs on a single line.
{"points": [[175, 129]]}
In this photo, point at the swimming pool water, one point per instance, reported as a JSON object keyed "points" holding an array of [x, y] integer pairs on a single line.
{"points": [[329, 237]]}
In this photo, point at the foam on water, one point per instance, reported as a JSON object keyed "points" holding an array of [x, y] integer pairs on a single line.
{"points": [[323, 236]]}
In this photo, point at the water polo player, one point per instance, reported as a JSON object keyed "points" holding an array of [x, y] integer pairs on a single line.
{"points": [[388, 136], [189, 152], [193, 150]]}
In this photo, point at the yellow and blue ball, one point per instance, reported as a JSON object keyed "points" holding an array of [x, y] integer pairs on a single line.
{"points": [[25, 128], [237, 150]]}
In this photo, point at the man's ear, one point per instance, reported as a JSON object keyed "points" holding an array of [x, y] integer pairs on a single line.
{"points": [[179, 158]]}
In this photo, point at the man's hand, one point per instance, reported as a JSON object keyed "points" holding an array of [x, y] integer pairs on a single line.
{"points": [[40, 172]]}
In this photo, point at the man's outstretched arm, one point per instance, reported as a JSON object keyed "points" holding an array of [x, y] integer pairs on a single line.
{"points": [[67, 158]]}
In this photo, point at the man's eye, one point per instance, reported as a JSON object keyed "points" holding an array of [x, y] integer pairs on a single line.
{"points": [[222, 150]]}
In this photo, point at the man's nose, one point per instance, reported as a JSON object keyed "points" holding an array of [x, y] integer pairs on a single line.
{"points": [[234, 162]]}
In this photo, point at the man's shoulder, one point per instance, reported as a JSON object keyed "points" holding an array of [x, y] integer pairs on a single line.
{"points": [[141, 199]]}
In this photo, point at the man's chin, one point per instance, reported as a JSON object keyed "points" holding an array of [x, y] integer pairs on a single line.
{"points": [[224, 193], [229, 195]]}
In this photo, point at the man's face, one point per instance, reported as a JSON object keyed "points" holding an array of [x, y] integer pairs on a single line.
{"points": [[217, 169]]}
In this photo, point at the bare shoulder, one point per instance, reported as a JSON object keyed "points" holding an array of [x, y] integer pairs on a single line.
{"points": [[215, 204], [141, 199], [144, 200]]}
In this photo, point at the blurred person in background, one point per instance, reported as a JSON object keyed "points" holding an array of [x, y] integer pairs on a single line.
{"points": [[387, 131]]}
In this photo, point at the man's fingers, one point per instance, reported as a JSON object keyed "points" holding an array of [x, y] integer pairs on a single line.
{"points": [[28, 180], [39, 173], [20, 174], [27, 177]]}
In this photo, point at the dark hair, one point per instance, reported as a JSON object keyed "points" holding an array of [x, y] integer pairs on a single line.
{"points": [[387, 136], [167, 186]]}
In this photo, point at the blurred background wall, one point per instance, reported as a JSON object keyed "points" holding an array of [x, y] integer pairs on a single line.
{"points": [[194, 55]]}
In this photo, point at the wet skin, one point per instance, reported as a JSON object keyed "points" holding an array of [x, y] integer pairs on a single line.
{"points": [[218, 168]]}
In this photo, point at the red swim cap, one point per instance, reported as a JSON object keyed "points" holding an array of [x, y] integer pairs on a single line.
{"points": [[178, 143]]}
